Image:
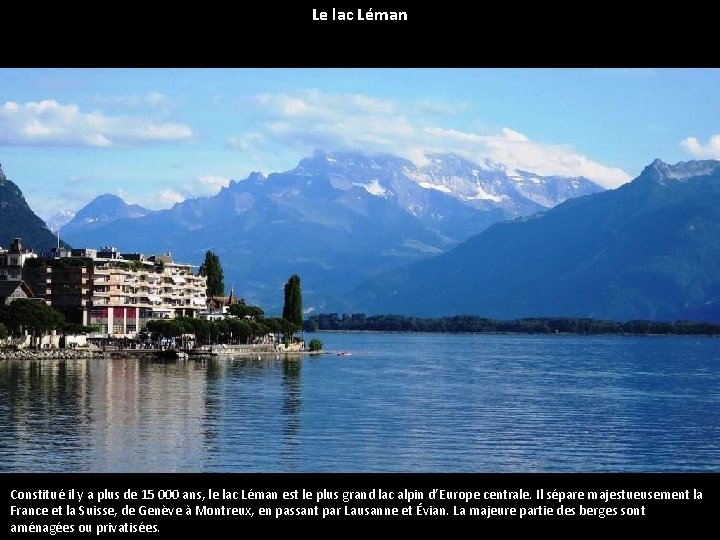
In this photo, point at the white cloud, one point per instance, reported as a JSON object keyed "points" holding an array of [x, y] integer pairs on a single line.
{"points": [[316, 120], [122, 193], [154, 99], [318, 105], [372, 105], [49, 123], [436, 107], [133, 101], [209, 184], [453, 134], [85, 188], [246, 142], [517, 151], [170, 197], [201, 186], [711, 150]]}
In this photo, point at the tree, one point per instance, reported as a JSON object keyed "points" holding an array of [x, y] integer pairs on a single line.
{"points": [[284, 326], [311, 325], [33, 316], [77, 328], [169, 327], [3, 331], [274, 324], [241, 310], [292, 310], [315, 345], [212, 270]]}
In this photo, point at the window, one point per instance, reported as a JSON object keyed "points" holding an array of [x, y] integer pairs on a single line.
{"points": [[99, 316]]}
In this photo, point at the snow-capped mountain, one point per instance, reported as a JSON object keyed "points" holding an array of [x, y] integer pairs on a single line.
{"points": [[59, 219], [335, 219], [483, 186], [647, 250], [487, 184]]}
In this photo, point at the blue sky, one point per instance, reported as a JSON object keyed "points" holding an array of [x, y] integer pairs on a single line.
{"points": [[158, 136]]}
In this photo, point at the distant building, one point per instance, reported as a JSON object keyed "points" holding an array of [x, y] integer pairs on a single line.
{"points": [[13, 260], [219, 305], [12, 290], [118, 292]]}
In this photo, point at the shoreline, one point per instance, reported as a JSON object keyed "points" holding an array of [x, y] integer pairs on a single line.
{"points": [[128, 354]]}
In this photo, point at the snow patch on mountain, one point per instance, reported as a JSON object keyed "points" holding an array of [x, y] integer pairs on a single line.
{"points": [[373, 188], [686, 169], [60, 218], [482, 195], [438, 187]]}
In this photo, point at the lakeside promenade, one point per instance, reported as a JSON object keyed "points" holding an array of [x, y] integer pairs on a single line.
{"points": [[87, 354]]}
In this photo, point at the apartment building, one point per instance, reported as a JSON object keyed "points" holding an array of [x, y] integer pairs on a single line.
{"points": [[117, 292], [12, 261]]}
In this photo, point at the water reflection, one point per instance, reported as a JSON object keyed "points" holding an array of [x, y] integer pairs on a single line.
{"points": [[45, 415], [149, 411], [291, 405], [400, 403]]}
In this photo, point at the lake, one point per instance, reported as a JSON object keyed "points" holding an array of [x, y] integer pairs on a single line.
{"points": [[400, 402]]}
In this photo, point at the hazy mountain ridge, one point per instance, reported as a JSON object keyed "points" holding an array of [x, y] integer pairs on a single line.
{"points": [[336, 219], [102, 210]]}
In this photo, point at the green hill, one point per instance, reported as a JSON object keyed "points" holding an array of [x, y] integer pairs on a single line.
{"points": [[17, 220]]}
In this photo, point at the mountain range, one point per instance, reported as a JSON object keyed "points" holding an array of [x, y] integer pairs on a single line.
{"points": [[649, 249], [382, 235], [336, 219]]}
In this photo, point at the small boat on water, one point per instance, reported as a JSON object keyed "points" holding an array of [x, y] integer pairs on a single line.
{"points": [[173, 354], [344, 353]]}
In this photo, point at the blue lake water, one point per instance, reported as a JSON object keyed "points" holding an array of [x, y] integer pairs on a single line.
{"points": [[401, 402]]}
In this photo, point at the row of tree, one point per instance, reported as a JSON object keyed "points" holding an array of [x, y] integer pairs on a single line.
{"points": [[469, 323], [292, 308], [231, 330], [36, 318]]}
